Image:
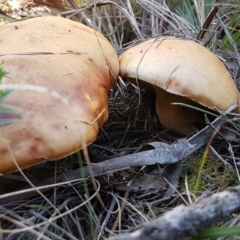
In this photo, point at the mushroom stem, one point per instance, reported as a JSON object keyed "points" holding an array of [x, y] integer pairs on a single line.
{"points": [[176, 117]]}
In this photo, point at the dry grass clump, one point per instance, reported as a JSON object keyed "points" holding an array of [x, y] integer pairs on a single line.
{"points": [[97, 207]]}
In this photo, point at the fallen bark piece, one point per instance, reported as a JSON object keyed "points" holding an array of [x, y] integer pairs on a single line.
{"points": [[165, 153], [184, 221]]}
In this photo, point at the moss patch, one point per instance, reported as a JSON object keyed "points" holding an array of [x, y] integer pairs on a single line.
{"points": [[214, 175]]}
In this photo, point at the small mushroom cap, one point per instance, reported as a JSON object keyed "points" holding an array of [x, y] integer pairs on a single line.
{"points": [[63, 56], [182, 68]]}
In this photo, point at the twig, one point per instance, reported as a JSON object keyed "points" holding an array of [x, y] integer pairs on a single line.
{"points": [[207, 22], [185, 221], [229, 38], [174, 179]]}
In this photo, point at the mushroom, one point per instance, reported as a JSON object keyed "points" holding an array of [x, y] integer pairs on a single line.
{"points": [[63, 56], [180, 71]]}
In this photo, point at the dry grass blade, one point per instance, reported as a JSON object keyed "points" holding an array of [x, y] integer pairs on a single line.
{"points": [[38, 221], [58, 4], [67, 210], [162, 12]]}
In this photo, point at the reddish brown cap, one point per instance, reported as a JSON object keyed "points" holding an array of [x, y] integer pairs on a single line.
{"points": [[69, 58]]}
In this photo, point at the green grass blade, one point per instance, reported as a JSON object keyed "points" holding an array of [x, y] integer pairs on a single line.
{"points": [[218, 232]]}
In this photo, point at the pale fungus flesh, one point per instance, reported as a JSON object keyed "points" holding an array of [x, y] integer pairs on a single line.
{"points": [[63, 56], [180, 71]]}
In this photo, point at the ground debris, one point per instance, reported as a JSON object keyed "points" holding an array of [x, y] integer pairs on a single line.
{"points": [[185, 221]]}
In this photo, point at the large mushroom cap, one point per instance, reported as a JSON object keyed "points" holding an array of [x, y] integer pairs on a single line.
{"points": [[63, 56], [177, 67]]}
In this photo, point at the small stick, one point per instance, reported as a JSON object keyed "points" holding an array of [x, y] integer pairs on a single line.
{"points": [[185, 221]]}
